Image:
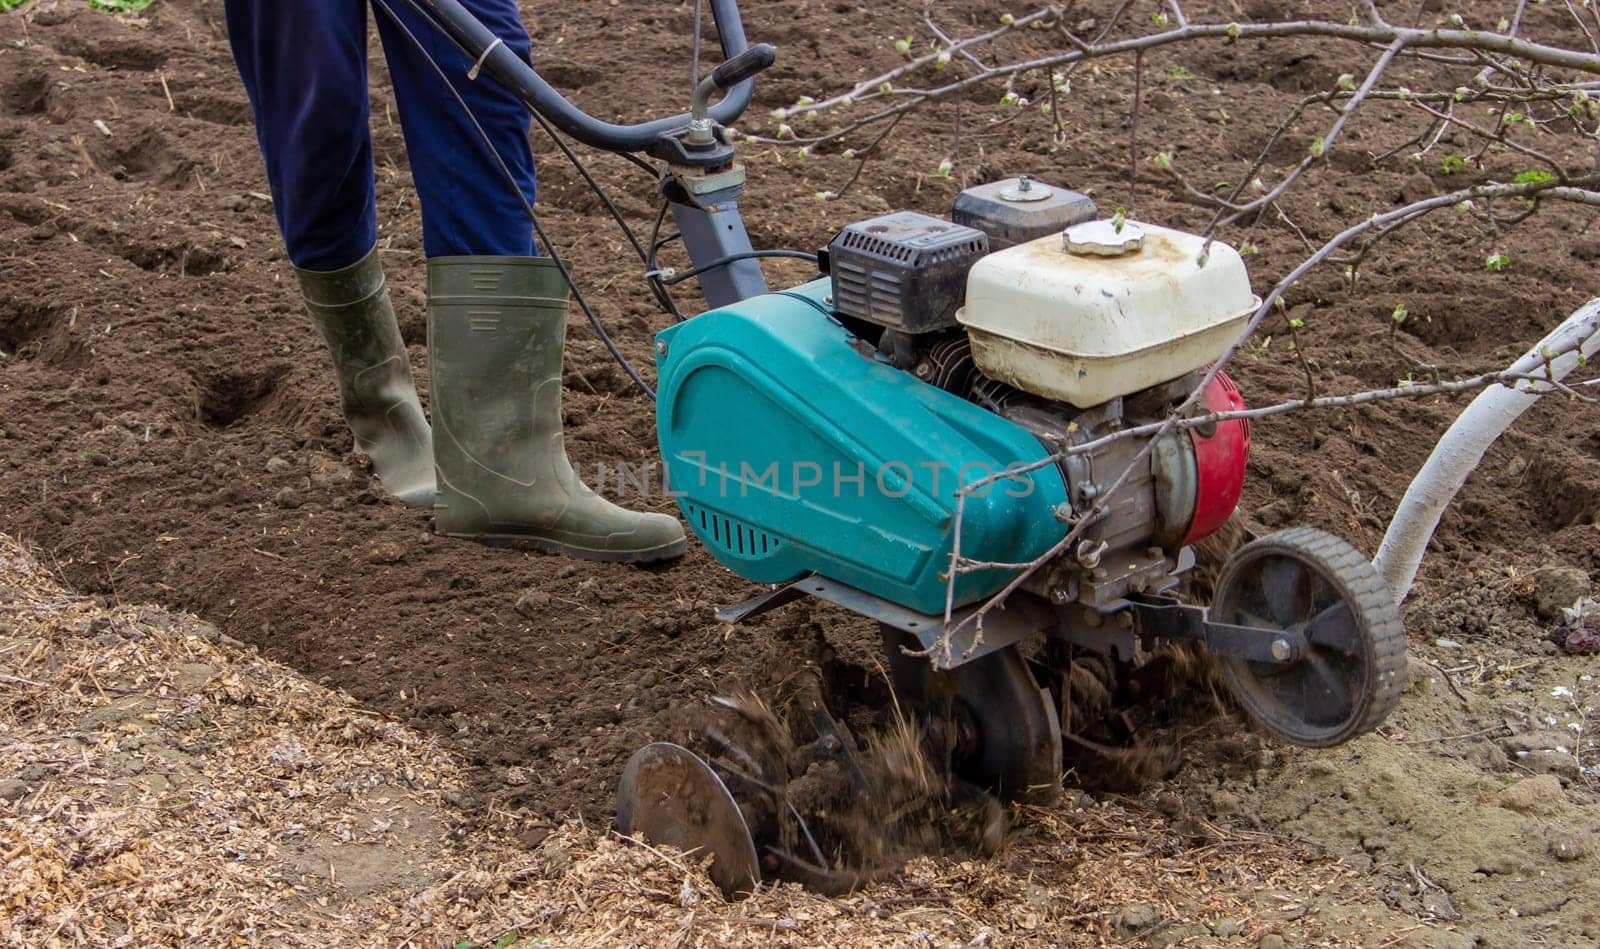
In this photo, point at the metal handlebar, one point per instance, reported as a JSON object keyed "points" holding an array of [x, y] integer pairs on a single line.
{"points": [[491, 56], [736, 70]]}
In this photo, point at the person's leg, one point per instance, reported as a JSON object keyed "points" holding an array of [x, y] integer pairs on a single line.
{"points": [[468, 206], [303, 63], [304, 66], [497, 316]]}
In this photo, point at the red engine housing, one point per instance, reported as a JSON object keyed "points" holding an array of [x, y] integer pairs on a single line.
{"points": [[1220, 455]]}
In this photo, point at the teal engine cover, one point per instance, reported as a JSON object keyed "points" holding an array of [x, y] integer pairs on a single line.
{"points": [[793, 447]]}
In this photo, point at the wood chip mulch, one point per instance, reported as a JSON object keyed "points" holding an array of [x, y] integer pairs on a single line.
{"points": [[161, 784]]}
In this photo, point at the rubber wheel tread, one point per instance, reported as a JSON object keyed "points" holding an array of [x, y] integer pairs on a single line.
{"points": [[1383, 632]]}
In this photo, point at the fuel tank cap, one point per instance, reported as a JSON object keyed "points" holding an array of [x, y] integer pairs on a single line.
{"points": [[1103, 238], [1025, 190]]}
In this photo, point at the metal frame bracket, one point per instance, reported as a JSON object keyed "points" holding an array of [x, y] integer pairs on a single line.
{"points": [[1166, 618], [1018, 620]]}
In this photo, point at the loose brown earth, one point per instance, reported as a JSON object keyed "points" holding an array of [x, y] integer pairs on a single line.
{"points": [[169, 431]]}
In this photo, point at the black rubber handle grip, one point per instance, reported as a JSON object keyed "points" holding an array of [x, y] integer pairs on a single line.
{"points": [[744, 65]]}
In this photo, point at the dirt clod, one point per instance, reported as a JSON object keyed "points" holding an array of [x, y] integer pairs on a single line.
{"points": [[1540, 795], [1571, 846], [387, 552], [1556, 588], [532, 603], [1547, 760], [1138, 917], [1584, 640], [1226, 803]]}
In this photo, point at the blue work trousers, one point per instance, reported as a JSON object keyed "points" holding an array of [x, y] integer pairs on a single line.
{"points": [[304, 65]]}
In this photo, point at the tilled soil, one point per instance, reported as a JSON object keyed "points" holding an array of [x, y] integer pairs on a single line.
{"points": [[134, 734], [169, 429]]}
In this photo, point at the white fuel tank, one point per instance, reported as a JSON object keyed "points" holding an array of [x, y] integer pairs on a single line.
{"points": [[1096, 312]]}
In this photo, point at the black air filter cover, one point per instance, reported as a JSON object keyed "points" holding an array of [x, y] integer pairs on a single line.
{"points": [[1017, 210], [904, 270]]}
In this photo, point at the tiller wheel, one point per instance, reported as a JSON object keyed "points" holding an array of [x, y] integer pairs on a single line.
{"points": [[1313, 584], [830, 814], [671, 797]]}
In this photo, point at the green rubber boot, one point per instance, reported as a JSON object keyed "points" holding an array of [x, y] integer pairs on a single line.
{"points": [[351, 309], [496, 327]]}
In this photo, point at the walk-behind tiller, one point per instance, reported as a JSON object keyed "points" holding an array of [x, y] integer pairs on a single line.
{"points": [[964, 376]]}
